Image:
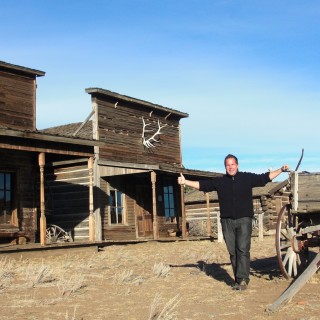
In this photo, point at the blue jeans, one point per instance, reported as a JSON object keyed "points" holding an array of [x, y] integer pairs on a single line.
{"points": [[237, 236]]}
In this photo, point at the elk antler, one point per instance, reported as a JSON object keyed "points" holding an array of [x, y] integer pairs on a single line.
{"points": [[149, 143]]}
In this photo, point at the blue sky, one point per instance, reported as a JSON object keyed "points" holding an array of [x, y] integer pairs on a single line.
{"points": [[246, 72]]}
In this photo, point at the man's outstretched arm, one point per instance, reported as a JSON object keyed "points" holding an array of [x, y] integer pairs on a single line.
{"points": [[275, 173], [189, 183]]}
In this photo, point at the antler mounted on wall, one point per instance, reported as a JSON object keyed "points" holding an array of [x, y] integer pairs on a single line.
{"points": [[149, 142]]}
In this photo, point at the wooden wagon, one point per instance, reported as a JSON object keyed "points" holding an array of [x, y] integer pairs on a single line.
{"points": [[298, 230], [298, 224]]}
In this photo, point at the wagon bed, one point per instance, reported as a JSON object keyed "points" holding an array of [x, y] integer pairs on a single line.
{"points": [[305, 188]]}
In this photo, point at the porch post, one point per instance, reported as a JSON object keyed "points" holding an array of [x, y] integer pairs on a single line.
{"points": [[154, 206], [208, 215], [91, 216], [219, 227], [183, 214], [43, 222]]}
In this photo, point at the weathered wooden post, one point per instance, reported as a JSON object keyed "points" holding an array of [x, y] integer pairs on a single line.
{"points": [[208, 215], [296, 285], [154, 206], [43, 223], [260, 223], [219, 227], [183, 213], [91, 216]]}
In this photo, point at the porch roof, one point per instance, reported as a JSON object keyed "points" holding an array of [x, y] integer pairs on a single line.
{"points": [[45, 136], [36, 141]]}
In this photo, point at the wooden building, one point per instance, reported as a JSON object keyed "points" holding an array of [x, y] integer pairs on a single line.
{"points": [[111, 177], [136, 167], [27, 155]]}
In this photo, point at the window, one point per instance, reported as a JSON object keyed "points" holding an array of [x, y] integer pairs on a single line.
{"points": [[116, 207], [6, 197], [168, 196]]}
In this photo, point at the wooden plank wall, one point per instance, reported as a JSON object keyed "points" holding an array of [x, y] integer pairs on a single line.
{"points": [[24, 165], [17, 101], [309, 193], [121, 126], [67, 199]]}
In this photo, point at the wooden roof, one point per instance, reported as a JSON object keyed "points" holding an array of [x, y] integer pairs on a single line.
{"points": [[121, 97], [44, 135], [35, 141], [267, 190], [71, 130], [19, 69]]}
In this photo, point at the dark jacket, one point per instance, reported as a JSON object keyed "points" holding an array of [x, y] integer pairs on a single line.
{"points": [[235, 192]]}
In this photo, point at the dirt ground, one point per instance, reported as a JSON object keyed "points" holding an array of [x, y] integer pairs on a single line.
{"points": [[151, 280]]}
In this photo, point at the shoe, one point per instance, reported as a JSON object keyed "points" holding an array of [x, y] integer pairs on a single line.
{"points": [[235, 286], [240, 286]]}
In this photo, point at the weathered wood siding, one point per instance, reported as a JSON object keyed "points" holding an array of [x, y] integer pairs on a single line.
{"points": [[22, 165], [17, 101], [67, 199], [120, 127], [308, 193]]}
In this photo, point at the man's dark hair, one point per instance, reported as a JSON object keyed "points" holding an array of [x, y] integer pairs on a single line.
{"points": [[229, 156]]}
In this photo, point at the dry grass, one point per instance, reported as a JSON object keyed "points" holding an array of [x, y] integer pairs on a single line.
{"points": [[148, 281], [38, 274], [161, 270], [126, 277], [69, 285], [167, 312], [6, 272]]}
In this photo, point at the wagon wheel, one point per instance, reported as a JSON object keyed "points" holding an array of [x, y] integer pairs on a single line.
{"points": [[57, 234], [290, 261]]}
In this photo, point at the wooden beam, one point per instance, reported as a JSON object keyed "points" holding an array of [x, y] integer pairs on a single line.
{"points": [[183, 214], [45, 150], [296, 285], [208, 215], [154, 206], [91, 216], [43, 222], [83, 123], [48, 137], [260, 224], [219, 227]]}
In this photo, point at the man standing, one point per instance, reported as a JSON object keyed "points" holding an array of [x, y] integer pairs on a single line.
{"points": [[236, 211]]}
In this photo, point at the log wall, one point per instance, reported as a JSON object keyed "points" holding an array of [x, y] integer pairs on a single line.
{"points": [[67, 199]]}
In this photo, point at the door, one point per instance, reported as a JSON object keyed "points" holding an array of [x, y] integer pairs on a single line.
{"points": [[143, 211]]}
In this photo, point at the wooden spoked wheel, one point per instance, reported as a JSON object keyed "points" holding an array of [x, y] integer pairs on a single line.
{"points": [[57, 234], [290, 261]]}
